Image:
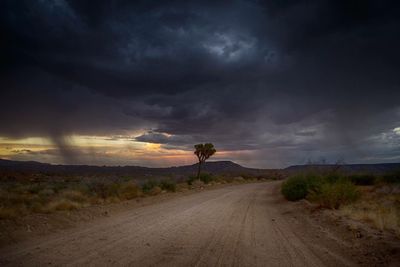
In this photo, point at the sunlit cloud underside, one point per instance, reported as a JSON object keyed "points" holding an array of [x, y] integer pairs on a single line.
{"points": [[100, 150]]}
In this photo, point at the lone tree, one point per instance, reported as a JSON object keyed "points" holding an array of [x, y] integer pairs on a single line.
{"points": [[203, 152]]}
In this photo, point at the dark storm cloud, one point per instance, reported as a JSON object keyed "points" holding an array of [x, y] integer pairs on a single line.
{"points": [[295, 78]]}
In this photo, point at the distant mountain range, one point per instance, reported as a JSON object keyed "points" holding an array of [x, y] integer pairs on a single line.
{"points": [[16, 168], [378, 168], [10, 169]]}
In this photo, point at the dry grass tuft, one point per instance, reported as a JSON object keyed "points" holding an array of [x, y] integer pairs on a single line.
{"points": [[130, 191], [75, 196], [155, 191], [380, 210], [11, 212], [63, 204]]}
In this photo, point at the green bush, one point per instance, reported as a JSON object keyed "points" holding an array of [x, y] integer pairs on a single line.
{"points": [[330, 191], [129, 190], [168, 185], [295, 188], [155, 191], [35, 188], [362, 179], [247, 176], [331, 178], [149, 185], [103, 190], [314, 183], [19, 199], [112, 190], [204, 177], [58, 186], [191, 179], [391, 178], [340, 193], [75, 196]]}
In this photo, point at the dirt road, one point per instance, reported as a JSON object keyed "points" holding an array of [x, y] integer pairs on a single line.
{"points": [[242, 225]]}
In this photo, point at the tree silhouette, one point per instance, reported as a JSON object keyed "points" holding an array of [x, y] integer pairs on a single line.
{"points": [[203, 152]]}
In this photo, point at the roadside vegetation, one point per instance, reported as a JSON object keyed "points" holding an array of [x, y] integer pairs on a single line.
{"points": [[25, 197], [364, 197], [17, 199], [36, 193]]}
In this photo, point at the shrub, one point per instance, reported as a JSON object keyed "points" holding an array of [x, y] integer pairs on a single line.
{"points": [[98, 189], [38, 208], [381, 211], [75, 196], [392, 177], [228, 179], [112, 190], [331, 178], [155, 191], [63, 204], [129, 190], [58, 186], [191, 179], [168, 185], [295, 188], [340, 193], [314, 183], [197, 184], [239, 179], [35, 188], [149, 185], [206, 178], [10, 212], [47, 192], [247, 176], [362, 179], [103, 190]]}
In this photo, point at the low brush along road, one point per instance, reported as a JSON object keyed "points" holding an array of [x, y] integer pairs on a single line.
{"points": [[240, 225]]}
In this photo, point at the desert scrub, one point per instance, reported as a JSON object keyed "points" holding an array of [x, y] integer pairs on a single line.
{"points": [[12, 212], [382, 218], [149, 185], [391, 178], [129, 190], [155, 191], [153, 188], [381, 210], [191, 179], [204, 177], [300, 186], [104, 190], [19, 199], [334, 195], [168, 185], [63, 204], [362, 179], [295, 188], [329, 191], [75, 196]]}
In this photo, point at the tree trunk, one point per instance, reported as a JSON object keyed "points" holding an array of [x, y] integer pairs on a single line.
{"points": [[198, 171]]}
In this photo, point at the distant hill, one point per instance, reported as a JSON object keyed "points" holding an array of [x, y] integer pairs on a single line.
{"points": [[13, 168], [30, 169], [378, 168]]}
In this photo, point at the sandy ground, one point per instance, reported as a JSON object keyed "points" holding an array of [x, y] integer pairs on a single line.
{"points": [[242, 225]]}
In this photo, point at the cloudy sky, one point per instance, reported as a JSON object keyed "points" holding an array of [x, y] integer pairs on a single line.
{"points": [[270, 83]]}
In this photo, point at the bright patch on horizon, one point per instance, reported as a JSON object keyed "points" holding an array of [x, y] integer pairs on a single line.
{"points": [[94, 150], [397, 130]]}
